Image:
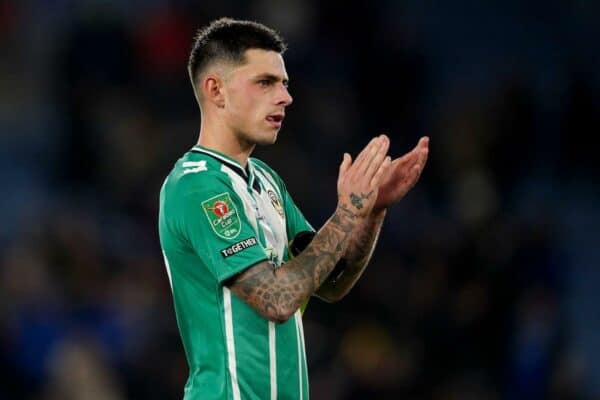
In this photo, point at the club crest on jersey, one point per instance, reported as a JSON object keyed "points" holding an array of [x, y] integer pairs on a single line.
{"points": [[275, 202], [222, 216]]}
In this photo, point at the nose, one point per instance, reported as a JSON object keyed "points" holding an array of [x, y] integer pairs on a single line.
{"points": [[283, 97]]}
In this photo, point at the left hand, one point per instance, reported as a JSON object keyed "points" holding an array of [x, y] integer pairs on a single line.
{"points": [[402, 175]]}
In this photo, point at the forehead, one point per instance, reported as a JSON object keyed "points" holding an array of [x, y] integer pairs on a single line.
{"points": [[262, 62]]}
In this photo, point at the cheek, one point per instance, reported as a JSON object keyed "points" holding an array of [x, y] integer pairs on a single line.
{"points": [[250, 110], [243, 103]]}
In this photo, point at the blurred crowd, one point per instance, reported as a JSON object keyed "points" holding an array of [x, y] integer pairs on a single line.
{"points": [[483, 283]]}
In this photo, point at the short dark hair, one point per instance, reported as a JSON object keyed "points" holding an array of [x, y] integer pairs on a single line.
{"points": [[228, 39]]}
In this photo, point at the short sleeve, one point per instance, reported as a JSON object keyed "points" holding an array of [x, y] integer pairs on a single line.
{"points": [[215, 225]]}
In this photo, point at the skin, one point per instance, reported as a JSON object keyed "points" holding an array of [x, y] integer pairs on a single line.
{"points": [[235, 101], [402, 175], [277, 293]]}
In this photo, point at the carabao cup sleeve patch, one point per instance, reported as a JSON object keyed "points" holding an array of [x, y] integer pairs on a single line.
{"points": [[223, 216], [229, 245]]}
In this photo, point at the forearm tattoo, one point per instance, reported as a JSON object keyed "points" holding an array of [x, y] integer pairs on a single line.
{"points": [[277, 293], [360, 248], [362, 241]]}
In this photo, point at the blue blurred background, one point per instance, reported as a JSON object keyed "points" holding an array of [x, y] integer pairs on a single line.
{"points": [[484, 284]]}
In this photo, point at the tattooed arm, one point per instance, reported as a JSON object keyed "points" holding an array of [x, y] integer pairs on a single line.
{"points": [[276, 293], [403, 175], [360, 248]]}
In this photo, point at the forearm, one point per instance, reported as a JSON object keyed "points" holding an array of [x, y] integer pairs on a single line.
{"points": [[362, 242], [276, 293]]}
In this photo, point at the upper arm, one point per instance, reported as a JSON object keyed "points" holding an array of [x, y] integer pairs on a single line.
{"points": [[255, 286], [214, 224]]}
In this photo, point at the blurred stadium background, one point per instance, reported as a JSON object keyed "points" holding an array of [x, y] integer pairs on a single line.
{"points": [[484, 285]]}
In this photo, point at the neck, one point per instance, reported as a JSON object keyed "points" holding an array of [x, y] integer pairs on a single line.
{"points": [[215, 135]]}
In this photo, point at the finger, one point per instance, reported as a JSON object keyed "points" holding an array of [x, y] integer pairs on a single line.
{"points": [[382, 172], [346, 162], [412, 156], [344, 166], [378, 159], [365, 153], [416, 173], [422, 144], [389, 173], [424, 158], [423, 151], [407, 159], [423, 147], [372, 155], [418, 155]]}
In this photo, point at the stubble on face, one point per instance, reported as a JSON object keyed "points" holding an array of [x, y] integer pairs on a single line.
{"points": [[249, 101]]}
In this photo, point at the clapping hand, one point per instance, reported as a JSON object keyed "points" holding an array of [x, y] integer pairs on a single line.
{"points": [[402, 175]]}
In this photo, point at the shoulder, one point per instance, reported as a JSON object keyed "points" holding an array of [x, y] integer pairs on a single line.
{"points": [[196, 173]]}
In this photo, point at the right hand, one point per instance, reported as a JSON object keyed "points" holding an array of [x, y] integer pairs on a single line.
{"points": [[359, 181]]}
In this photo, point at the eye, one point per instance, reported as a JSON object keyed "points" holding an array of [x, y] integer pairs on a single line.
{"points": [[264, 83]]}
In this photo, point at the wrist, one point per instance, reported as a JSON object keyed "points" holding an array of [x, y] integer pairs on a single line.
{"points": [[345, 215]]}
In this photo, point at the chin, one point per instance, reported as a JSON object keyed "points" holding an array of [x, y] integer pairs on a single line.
{"points": [[266, 139]]}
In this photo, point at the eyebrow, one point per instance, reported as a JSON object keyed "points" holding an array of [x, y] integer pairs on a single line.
{"points": [[272, 77]]}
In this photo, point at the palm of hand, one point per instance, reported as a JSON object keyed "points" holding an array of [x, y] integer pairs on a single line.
{"points": [[403, 175]]}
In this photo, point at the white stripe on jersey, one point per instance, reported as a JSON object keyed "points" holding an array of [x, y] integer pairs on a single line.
{"points": [[235, 387], [189, 164], [299, 353], [194, 166], [168, 270], [267, 176], [273, 359], [299, 314]]}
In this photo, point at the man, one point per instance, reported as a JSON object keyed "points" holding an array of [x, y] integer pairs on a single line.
{"points": [[228, 225]]}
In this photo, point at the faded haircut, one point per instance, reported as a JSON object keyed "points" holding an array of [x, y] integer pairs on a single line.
{"points": [[227, 40]]}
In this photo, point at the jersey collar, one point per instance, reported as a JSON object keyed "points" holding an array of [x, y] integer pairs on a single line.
{"points": [[223, 158], [247, 174]]}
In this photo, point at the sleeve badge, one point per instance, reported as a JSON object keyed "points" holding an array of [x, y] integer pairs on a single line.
{"points": [[222, 215]]}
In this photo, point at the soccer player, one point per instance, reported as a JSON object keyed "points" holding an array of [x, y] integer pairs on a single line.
{"points": [[228, 226]]}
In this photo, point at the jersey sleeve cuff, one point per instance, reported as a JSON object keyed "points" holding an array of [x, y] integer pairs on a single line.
{"points": [[239, 256]]}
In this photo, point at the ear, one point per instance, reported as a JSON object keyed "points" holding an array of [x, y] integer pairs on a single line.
{"points": [[212, 90]]}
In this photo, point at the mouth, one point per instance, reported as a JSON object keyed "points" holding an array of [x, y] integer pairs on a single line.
{"points": [[275, 120]]}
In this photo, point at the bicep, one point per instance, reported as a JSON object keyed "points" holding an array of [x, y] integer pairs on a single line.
{"points": [[275, 293], [255, 287]]}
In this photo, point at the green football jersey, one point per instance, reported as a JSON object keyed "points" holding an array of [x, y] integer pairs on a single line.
{"points": [[216, 219]]}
